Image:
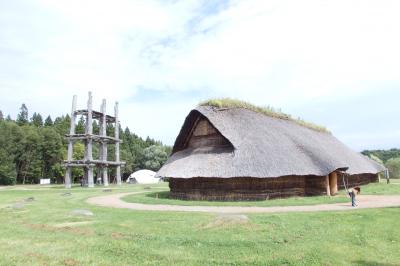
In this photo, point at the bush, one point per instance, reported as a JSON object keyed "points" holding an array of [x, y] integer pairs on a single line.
{"points": [[7, 181], [393, 165]]}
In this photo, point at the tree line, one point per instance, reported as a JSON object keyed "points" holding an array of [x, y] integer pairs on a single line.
{"points": [[32, 148], [389, 158]]}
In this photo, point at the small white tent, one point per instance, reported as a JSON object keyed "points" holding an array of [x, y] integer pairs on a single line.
{"points": [[143, 177]]}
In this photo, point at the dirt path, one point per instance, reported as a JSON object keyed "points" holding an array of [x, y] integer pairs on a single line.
{"points": [[364, 202]]}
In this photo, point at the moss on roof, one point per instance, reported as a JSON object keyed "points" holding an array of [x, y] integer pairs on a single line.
{"points": [[267, 110]]}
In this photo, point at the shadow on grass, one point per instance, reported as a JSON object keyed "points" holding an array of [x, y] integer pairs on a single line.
{"points": [[166, 195], [372, 263], [158, 195]]}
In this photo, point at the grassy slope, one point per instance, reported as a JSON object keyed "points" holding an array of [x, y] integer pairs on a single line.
{"points": [[29, 236]]}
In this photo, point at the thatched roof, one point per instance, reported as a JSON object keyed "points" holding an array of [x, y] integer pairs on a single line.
{"points": [[266, 110], [261, 146]]}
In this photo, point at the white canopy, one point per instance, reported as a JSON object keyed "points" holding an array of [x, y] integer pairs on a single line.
{"points": [[143, 177]]}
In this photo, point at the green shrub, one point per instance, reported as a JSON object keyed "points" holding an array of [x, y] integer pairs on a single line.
{"points": [[393, 165]]}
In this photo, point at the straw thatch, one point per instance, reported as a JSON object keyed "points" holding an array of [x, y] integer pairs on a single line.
{"points": [[233, 143]]}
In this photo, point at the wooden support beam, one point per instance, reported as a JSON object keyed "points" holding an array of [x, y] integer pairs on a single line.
{"points": [[328, 191], [387, 176], [89, 142], [92, 162], [96, 138], [333, 185], [96, 115], [90, 176], [68, 171], [103, 133], [116, 135]]}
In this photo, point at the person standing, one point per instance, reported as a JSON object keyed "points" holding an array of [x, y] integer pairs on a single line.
{"points": [[353, 192]]}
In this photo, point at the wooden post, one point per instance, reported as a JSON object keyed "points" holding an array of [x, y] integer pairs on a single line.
{"points": [[104, 143], [100, 168], [333, 186], [89, 132], [70, 144], [117, 159], [328, 191], [387, 176]]}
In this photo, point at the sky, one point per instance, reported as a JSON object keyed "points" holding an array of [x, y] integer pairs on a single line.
{"points": [[334, 63]]}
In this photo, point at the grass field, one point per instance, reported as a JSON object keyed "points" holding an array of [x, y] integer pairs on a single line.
{"points": [[43, 231], [160, 196]]}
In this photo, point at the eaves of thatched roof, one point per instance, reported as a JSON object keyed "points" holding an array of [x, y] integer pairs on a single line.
{"points": [[262, 146]]}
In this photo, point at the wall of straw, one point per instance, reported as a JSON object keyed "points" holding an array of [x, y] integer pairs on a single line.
{"points": [[247, 188]]}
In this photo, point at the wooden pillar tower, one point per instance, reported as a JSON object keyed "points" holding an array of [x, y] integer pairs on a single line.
{"points": [[88, 163]]}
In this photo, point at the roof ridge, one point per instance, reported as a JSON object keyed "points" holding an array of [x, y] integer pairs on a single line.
{"points": [[228, 103]]}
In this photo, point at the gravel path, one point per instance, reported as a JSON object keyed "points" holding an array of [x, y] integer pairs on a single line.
{"points": [[364, 202]]}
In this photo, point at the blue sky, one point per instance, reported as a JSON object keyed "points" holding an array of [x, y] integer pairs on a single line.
{"points": [[335, 63]]}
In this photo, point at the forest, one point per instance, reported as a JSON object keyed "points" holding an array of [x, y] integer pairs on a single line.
{"points": [[389, 158], [33, 147]]}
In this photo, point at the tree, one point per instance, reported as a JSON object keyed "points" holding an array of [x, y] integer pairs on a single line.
{"points": [[376, 159], [1, 116], [79, 153], [48, 122], [154, 157], [8, 175], [10, 133], [62, 124], [393, 165], [96, 128], [110, 130], [8, 118], [22, 118], [52, 151], [37, 120], [29, 156], [80, 128], [384, 155]]}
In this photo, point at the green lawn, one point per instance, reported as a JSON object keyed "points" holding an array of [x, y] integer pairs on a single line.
{"points": [[44, 232], [160, 196]]}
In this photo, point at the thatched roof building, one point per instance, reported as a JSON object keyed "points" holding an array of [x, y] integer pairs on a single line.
{"points": [[237, 153]]}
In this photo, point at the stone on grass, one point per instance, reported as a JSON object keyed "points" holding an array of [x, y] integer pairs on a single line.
{"points": [[235, 218], [107, 190], [81, 212], [223, 220], [66, 194], [30, 199], [147, 187], [17, 206]]}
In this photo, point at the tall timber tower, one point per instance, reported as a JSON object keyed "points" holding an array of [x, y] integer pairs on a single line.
{"points": [[89, 138]]}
